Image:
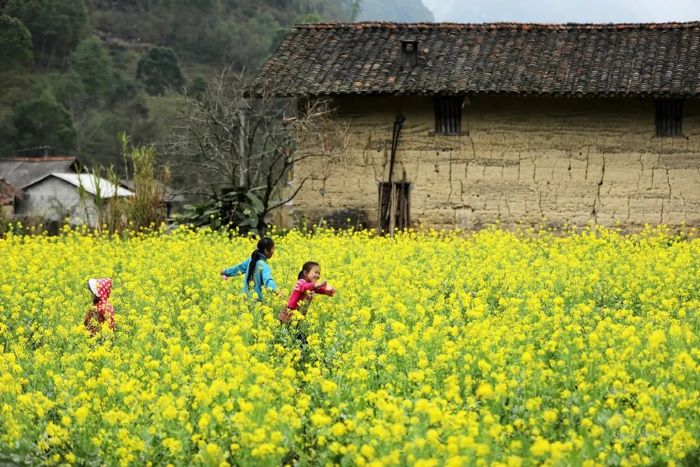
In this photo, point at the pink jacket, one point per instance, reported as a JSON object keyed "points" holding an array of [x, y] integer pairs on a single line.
{"points": [[304, 290], [102, 310]]}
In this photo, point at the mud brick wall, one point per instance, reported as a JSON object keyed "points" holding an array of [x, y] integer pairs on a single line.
{"points": [[520, 161]]}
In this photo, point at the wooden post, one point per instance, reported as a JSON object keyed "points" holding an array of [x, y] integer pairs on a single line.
{"points": [[396, 131], [392, 210]]}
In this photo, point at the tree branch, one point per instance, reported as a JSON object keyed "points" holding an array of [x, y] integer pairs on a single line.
{"points": [[292, 196]]}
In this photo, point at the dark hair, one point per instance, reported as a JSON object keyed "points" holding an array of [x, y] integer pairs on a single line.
{"points": [[265, 243], [307, 267]]}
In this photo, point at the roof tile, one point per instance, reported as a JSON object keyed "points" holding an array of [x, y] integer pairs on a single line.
{"points": [[658, 60]]}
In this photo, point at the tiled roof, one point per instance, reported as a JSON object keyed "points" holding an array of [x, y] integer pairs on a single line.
{"points": [[657, 60], [23, 171]]}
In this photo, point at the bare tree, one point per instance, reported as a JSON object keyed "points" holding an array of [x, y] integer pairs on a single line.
{"points": [[237, 149]]}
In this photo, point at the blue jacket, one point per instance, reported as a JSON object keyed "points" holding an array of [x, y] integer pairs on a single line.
{"points": [[262, 276]]}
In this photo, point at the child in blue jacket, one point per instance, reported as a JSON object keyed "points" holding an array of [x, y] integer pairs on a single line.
{"points": [[255, 268]]}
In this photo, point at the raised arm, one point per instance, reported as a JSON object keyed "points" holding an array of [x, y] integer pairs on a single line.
{"points": [[326, 289], [236, 270], [304, 286]]}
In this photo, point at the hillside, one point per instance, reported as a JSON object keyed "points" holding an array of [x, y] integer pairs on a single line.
{"points": [[77, 72]]}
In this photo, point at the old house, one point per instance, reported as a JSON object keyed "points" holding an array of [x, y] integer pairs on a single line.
{"points": [[68, 195], [52, 190], [463, 125]]}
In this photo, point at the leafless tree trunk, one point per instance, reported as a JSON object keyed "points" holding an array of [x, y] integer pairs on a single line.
{"points": [[228, 140]]}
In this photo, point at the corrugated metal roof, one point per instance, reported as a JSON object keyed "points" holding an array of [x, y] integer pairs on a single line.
{"points": [[91, 184]]}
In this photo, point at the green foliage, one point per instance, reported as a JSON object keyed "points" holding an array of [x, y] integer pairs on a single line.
{"points": [[213, 32], [229, 208], [55, 26], [8, 132], [97, 133], [15, 43], [93, 65], [112, 211], [143, 211], [4, 224], [43, 121], [159, 71], [255, 37], [67, 87], [308, 18], [197, 87], [96, 61], [16, 86], [146, 209]]}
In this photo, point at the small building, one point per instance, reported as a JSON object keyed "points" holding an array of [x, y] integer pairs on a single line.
{"points": [[22, 171], [66, 195], [463, 125], [52, 190]]}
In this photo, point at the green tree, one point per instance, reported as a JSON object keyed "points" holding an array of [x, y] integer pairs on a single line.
{"points": [[93, 64], [97, 132], [204, 5], [8, 133], [15, 86], [254, 39], [43, 121], [15, 43], [197, 87], [55, 26], [66, 87], [159, 70]]}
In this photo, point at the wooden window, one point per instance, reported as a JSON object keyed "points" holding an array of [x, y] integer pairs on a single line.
{"points": [[669, 117], [398, 210], [448, 115]]}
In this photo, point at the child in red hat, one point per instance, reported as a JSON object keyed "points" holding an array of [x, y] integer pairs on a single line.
{"points": [[101, 309]]}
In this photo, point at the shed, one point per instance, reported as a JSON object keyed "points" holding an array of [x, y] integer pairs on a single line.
{"points": [[62, 195]]}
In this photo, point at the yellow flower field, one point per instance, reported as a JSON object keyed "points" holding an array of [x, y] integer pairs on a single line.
{"points": [[490, 348]]}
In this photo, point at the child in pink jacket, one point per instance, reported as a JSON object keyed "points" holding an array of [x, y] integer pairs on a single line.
{"points": [[101, 310], [305, 289]]}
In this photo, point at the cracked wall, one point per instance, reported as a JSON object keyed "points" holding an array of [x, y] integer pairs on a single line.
{"points": [[519, 161]]}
